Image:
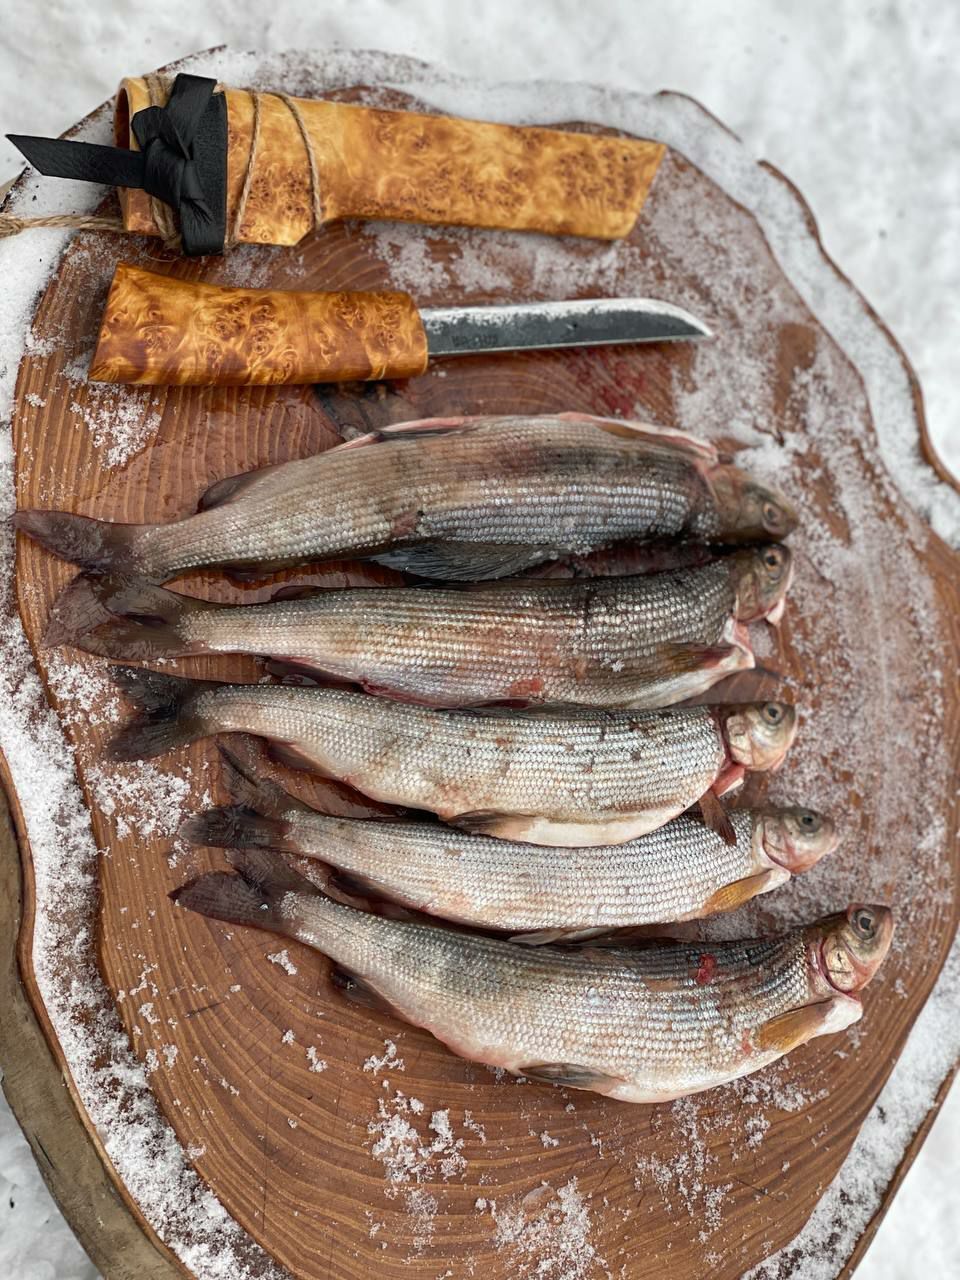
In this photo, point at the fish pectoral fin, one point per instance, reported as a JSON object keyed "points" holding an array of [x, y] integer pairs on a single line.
{"points": [[571, 1075], [789, 1030], [740, 891], [678, 658], [468, 561], [716, 817], [731, 777], [358, 991]]}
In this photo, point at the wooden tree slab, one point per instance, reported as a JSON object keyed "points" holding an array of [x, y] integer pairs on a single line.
{"points": [[338, 1158]]}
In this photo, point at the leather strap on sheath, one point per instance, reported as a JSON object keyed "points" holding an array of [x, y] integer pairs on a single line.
{"points": [[182, 160]]}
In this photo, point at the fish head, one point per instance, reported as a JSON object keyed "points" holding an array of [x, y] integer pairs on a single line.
{"points": [[794, 838], [852, 946], [761, 577], [749, 511], [759, 734]]}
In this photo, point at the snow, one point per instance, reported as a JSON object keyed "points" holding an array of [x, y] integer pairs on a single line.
{"points": [[858, 106], [388, 1060], [547, 1234]]}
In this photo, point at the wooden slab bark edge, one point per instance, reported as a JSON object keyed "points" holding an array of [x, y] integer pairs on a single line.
{"points": [[38, 1089]]}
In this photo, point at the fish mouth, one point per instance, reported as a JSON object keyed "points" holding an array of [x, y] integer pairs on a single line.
{"points": [[779, 861]]}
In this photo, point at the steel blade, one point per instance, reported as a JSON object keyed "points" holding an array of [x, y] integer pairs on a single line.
{"points": [[531, 326]]}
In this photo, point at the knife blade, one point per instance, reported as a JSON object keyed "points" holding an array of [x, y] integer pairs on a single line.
{"points": [[536, 326], [158, 330]]}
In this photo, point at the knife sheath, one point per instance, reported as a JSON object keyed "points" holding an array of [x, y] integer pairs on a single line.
{"points": [[160, 330], [407, 166]]}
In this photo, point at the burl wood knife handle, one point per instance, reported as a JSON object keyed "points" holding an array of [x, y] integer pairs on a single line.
{"points": [[411, 167], [160, 330]]}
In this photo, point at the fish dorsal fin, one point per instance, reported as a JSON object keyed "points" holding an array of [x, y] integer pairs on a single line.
{"points": [[649, 433], [789, 1030], [618, 945], [411, 431], [600, 940], [467, 561]]}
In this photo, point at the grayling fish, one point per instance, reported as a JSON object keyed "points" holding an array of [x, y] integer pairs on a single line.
{"points": [[565, 777], [466, 498], [643, 641], [646, 1024], [681, 872]]}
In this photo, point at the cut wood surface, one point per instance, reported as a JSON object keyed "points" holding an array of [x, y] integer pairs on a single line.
{"points": [[338, 1159]]}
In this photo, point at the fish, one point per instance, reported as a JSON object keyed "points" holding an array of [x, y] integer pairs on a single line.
{"points": [[640, 641], [683, 871], [648, 1023], [462, 499], [568, 776]]}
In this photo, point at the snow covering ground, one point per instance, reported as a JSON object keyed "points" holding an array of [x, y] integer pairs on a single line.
{"points": [[855, 102]]}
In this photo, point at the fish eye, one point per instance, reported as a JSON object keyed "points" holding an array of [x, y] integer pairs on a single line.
{"points": [[773, 558], [864, 923], [810, 822], [772, 712], [771, 514]]}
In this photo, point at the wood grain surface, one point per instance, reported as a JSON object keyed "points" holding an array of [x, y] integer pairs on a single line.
{"points": [[716, 1183], [156, 329], [414, 168]]}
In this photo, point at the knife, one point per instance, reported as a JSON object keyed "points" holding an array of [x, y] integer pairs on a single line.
{"points": [[159, 330]]}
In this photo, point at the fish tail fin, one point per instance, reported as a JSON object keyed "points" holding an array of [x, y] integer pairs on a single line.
{"points": [[167, 718], [123, 617], [78, 610], [258, 818], [96, 545], [255, 792], [234, 826], [259, 895]]}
